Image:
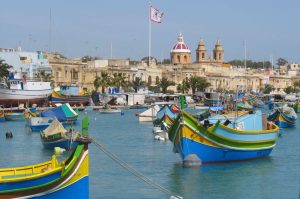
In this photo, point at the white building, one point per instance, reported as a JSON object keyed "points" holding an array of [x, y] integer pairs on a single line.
{"points": [[25, 62]]}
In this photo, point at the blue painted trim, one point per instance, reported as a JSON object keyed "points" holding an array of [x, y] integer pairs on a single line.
{"points": [[209, 154], [30, 183]]}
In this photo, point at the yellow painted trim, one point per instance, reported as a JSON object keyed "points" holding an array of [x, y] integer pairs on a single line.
{"points": [[186, 132]]}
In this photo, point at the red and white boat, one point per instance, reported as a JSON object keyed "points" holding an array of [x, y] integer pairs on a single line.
{"points": [[22, 91]]}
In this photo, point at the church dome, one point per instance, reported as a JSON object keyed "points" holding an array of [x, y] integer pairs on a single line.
{"points": [[180, 46]]}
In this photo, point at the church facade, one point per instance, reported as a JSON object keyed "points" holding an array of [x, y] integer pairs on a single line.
{"points": [[181, 54]]}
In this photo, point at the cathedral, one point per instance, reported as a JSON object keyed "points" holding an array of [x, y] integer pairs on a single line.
{"points": [[181, 54]]}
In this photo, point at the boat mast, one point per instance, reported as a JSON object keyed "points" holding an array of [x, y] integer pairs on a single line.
{"points": [[50, 31], [245, 64]]}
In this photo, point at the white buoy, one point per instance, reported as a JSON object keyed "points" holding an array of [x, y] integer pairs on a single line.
{"points": [[176, 197]]}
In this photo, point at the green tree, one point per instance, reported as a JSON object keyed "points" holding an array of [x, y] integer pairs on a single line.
{"points": [[137, 83], [198, 83], [4, 69], [97, 82], [105, 81], [251, 64], [268, 89], [119, 80], [184, 87], [164, 83], [289, 90], [43, 76], [281, 62]]}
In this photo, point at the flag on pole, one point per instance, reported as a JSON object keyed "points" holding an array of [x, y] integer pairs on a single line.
{"points": [[155, 15]]}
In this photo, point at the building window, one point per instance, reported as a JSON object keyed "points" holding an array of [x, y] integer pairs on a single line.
{"points": [[203, 56], [157, 80], [185, 58], [149, 80], [178, 58]]}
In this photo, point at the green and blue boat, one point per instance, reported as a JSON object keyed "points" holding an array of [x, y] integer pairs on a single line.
{"points": [[243, 139], [284, 117], [51, 179]]}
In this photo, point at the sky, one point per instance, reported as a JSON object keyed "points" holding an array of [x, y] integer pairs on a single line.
{"points": [[120, 29]]}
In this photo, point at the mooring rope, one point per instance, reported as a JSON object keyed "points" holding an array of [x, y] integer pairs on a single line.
{"points": [[135, 172]]}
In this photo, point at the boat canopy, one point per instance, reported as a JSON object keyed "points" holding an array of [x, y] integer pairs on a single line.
{"points": [[54, 128], [62, 113]]}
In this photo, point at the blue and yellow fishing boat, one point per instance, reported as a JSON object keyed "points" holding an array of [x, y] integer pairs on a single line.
{"points": [[14, 116], [208, 144], [51, 179], [284, 117], [60, 97], [56, 135], [165, 116]]}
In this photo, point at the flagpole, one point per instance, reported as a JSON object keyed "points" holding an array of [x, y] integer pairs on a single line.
{"points": [[149, 39]]}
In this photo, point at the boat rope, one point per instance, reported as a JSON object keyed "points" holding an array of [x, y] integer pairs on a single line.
{"points": [[134, 171]]}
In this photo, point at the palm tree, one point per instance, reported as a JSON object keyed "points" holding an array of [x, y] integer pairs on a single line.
{"points": [[137, 83], [119, 80], [105, 81], [43, 76], [164, 83], [184, 86], [198, 83], [97, 83], [4, 69]]}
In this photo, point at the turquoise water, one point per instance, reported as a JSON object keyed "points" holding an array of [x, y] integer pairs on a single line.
{"points": [[277, 176]]}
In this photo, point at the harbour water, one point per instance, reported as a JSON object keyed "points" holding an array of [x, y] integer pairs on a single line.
{"points": [[276, 176]]}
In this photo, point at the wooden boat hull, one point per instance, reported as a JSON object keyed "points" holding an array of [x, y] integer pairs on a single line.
{"points": [[213, 154], [62, 143], [191, 138], [69, 181], [15, 117], [282, 120], [38, 128], [37, 124], [77, 100], [12, 98]]}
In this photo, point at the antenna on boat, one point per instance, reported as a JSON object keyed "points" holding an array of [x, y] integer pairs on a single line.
{"points": [[245, 64]]}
